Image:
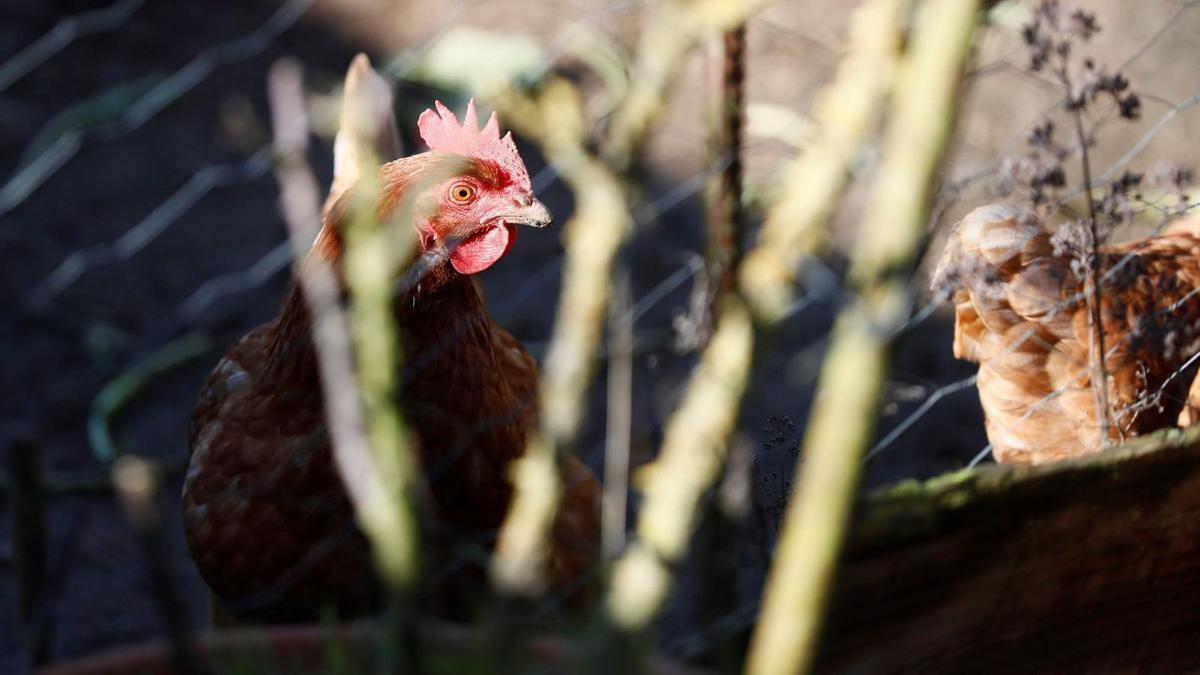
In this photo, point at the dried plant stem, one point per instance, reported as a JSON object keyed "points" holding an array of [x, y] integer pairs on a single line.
{"points": [[724, 212], [371, 266], [135, 483], [620, 419], [1093, 282], [697, 434], [1095, 271], [382, 510], [694, 449], [841, 425], [845, 114], [27, 502], [601, 223], [669, 32], [592, 237]]}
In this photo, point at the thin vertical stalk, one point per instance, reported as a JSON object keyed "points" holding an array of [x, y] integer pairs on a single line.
{"points": [[370, 269], [693, 452], [601, 224], [592, 237], [620, 420], [842, 422], [845, 114], [29, 545], [1095, 296], [697, 436], [362, 447], [136, 487], [724, 213], [669, 32]]}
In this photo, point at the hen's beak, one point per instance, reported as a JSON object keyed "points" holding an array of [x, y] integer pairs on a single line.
{"points": [[535, 214]]}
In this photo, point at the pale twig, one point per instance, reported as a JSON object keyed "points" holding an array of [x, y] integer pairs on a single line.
{"points": [[620, 414], [383, 519], [373, 274], [599, 227], [840, 426], [136, 485], [374, 252], [846, 112], [593, 235], [1094, 271], [1096, 351], [694, 448], [366, 128]]}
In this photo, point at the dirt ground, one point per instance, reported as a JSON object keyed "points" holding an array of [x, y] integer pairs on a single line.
{"points": [[211, 270]]}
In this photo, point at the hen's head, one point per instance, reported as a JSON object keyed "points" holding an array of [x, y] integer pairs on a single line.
{"points": [[474, 214]]}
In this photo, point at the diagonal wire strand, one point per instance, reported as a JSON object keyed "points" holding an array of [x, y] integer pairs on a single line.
{"points": [[26, 180], [135, 239], [63, 34]]}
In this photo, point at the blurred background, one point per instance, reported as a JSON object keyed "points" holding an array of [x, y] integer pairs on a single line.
{"points": [[139, 220]]}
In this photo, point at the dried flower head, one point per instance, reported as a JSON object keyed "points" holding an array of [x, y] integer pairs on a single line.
{"points": [[1170, 175]]}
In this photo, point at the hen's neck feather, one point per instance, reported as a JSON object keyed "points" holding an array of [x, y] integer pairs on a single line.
{"points": [[437, 319], [441, 318]]}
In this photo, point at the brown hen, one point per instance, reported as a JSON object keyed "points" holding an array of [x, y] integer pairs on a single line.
{"points": [[267, 519], [1021, 313]]}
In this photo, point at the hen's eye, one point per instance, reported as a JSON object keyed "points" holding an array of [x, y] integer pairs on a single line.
{"points": [[462, 193]]}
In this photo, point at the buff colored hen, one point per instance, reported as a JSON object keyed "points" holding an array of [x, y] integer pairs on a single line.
{"points": [[1021, 313]]}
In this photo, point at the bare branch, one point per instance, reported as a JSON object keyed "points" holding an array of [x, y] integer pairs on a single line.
{"points": [[921, 123], [388, 522]]}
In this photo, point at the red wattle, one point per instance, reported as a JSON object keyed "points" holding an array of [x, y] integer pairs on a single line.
{"points": [[481, 250]]}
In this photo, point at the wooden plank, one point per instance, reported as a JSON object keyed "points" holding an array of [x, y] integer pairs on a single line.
{"points": [[1081, 565]]}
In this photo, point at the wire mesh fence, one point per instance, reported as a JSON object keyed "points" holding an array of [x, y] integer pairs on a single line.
{"points": [[145, 238]]}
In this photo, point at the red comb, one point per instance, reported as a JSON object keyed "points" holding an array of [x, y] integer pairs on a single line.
{"points": [[442, 132]]}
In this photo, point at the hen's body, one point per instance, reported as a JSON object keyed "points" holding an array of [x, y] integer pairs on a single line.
{"points": [[1021, 313], [267, 520]]}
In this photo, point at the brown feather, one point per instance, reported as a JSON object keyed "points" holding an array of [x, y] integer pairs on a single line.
{"points": [[267, 520], [1019, 313]]}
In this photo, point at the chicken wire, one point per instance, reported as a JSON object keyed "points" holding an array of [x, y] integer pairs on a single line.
{"points": [[659, 313]]}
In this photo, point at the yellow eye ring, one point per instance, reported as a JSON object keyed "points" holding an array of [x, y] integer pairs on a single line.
{"points": [[462, 193]]}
